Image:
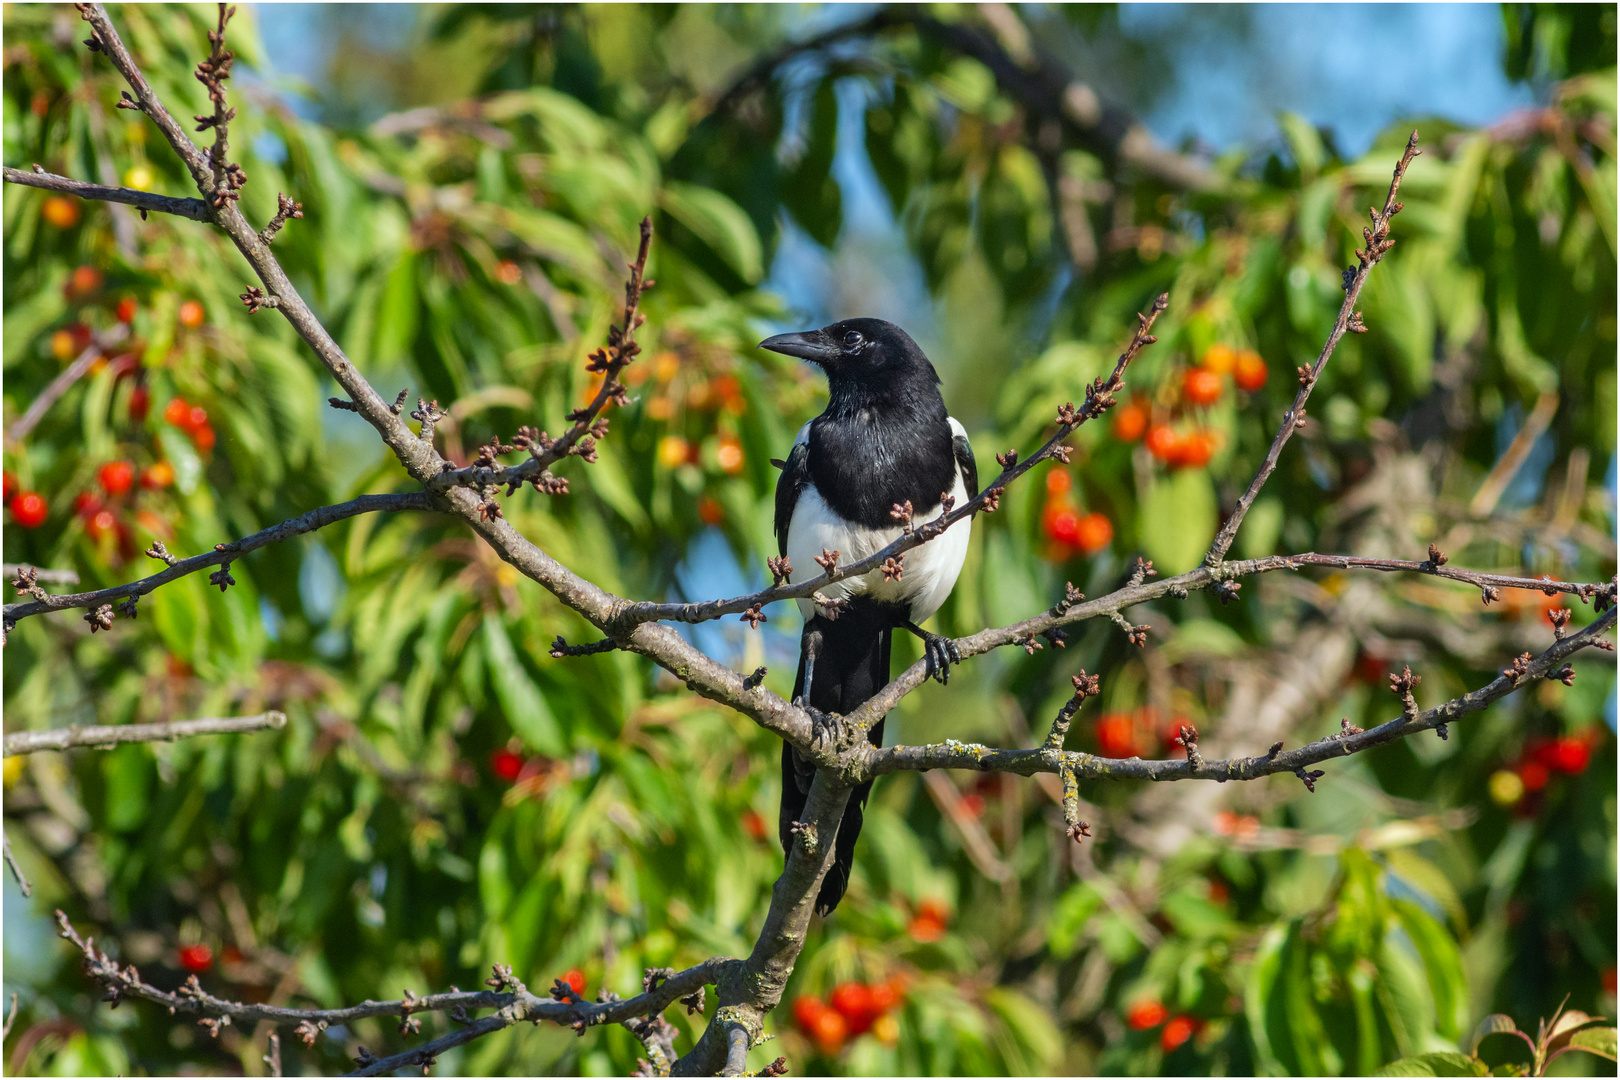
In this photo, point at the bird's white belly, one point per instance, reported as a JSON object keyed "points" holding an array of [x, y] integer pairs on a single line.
{"points": [[930, 570]]}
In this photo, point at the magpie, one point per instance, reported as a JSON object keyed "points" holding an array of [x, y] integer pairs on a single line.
{"points": [[883, 441]]}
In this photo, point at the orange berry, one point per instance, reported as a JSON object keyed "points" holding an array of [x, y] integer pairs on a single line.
{"points": [[672, 451], [126, 310], [1130, 422], [753, 825], [202, 437], [191, 314], [829, 1031], [1250, 372], [60, 212], [730, 455], [806, 1008], [1146, 1014], [63, 345], [709, 511], [853, 1001], [1058, 482], [178, 412], [160, 475], [1201, 386], [1197, 447], [1164, 443], [84, 281], [28, 509], [1093, 533], [508, 272], [1219, 358]]}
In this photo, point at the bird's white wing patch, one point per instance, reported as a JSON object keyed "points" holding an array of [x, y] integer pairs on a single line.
{"points": [[957, 430]]}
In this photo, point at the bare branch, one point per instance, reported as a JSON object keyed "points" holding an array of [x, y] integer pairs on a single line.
{"points": [[512, 1000], [29, 742], [58, 386], [955, 755], [223, 554], [49, 577], [27, 890], [1378, 243], [193, 209], [11, 1018]]}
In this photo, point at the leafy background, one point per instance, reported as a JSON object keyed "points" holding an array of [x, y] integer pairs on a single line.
{"points": [[472, 252]]}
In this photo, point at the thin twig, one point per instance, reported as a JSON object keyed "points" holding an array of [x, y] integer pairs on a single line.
{"points": [[58, 386], [1092, 767], [513, 1004], [193, 209], [22, 883], [1378, 243], [29, 742], [225, 553], [47, 577], [11, 1017]]}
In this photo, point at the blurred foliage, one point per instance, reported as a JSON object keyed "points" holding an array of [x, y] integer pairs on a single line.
{"points": [[446, 796]]}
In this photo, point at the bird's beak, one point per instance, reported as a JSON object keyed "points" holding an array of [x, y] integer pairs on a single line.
{"points": [[812, 345]]}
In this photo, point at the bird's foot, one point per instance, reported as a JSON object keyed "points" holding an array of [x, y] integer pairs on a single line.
{"points": [[825, 727], [940, 652]]}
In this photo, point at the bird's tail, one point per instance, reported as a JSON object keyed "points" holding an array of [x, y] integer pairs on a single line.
{"points": [[852, 664]]}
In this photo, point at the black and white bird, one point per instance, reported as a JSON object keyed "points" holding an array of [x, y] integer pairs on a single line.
{"points": [[884, 440]]}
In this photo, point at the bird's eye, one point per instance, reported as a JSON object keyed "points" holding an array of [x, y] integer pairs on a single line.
{"points": [[853, 340]]}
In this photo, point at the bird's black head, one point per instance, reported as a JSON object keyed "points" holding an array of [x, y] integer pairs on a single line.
{"points": [[868, 351]]}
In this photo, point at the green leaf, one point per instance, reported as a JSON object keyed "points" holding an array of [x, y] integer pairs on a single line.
{"points": [[1595, 1040], [1439, 1063], [1494, 1024], [1178, 520], [520, 699], [720, 223]]}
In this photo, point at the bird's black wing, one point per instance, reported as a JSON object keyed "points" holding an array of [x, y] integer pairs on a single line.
{"points": [[795, 475], [964, 458]]}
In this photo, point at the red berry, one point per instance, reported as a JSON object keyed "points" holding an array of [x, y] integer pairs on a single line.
{"points": [[1201, 386], [196, 958], [1116, 736], [1130, 422], [575, 979], [191, 314], [1093, 533], [853, 1001], [103, 523], [1571, 756], [202, 436], [1534, 775], [1164, 443], [806, 1009], [972, 804], [83, 281], [87, 504], [1197, 447], [28, 509], [11, 488], [829, 1031], [753, 825], [1061, 523], [1177, 1032], [178, 412], [140, 402], [1146, 1014], [1250, 372], [195, 418], [126, 310], [505, 765], [117, 477]]}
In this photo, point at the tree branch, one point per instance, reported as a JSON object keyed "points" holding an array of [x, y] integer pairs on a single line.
{"points": [[511, 998], [223, 554], [1378, 243], [29, 742], [955, 755], [27, 890], [49, 577], [193, 209], [58, 386]]}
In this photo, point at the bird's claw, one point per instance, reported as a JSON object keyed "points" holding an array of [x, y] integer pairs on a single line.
{"points": [[941, 652], [825, 727]]}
